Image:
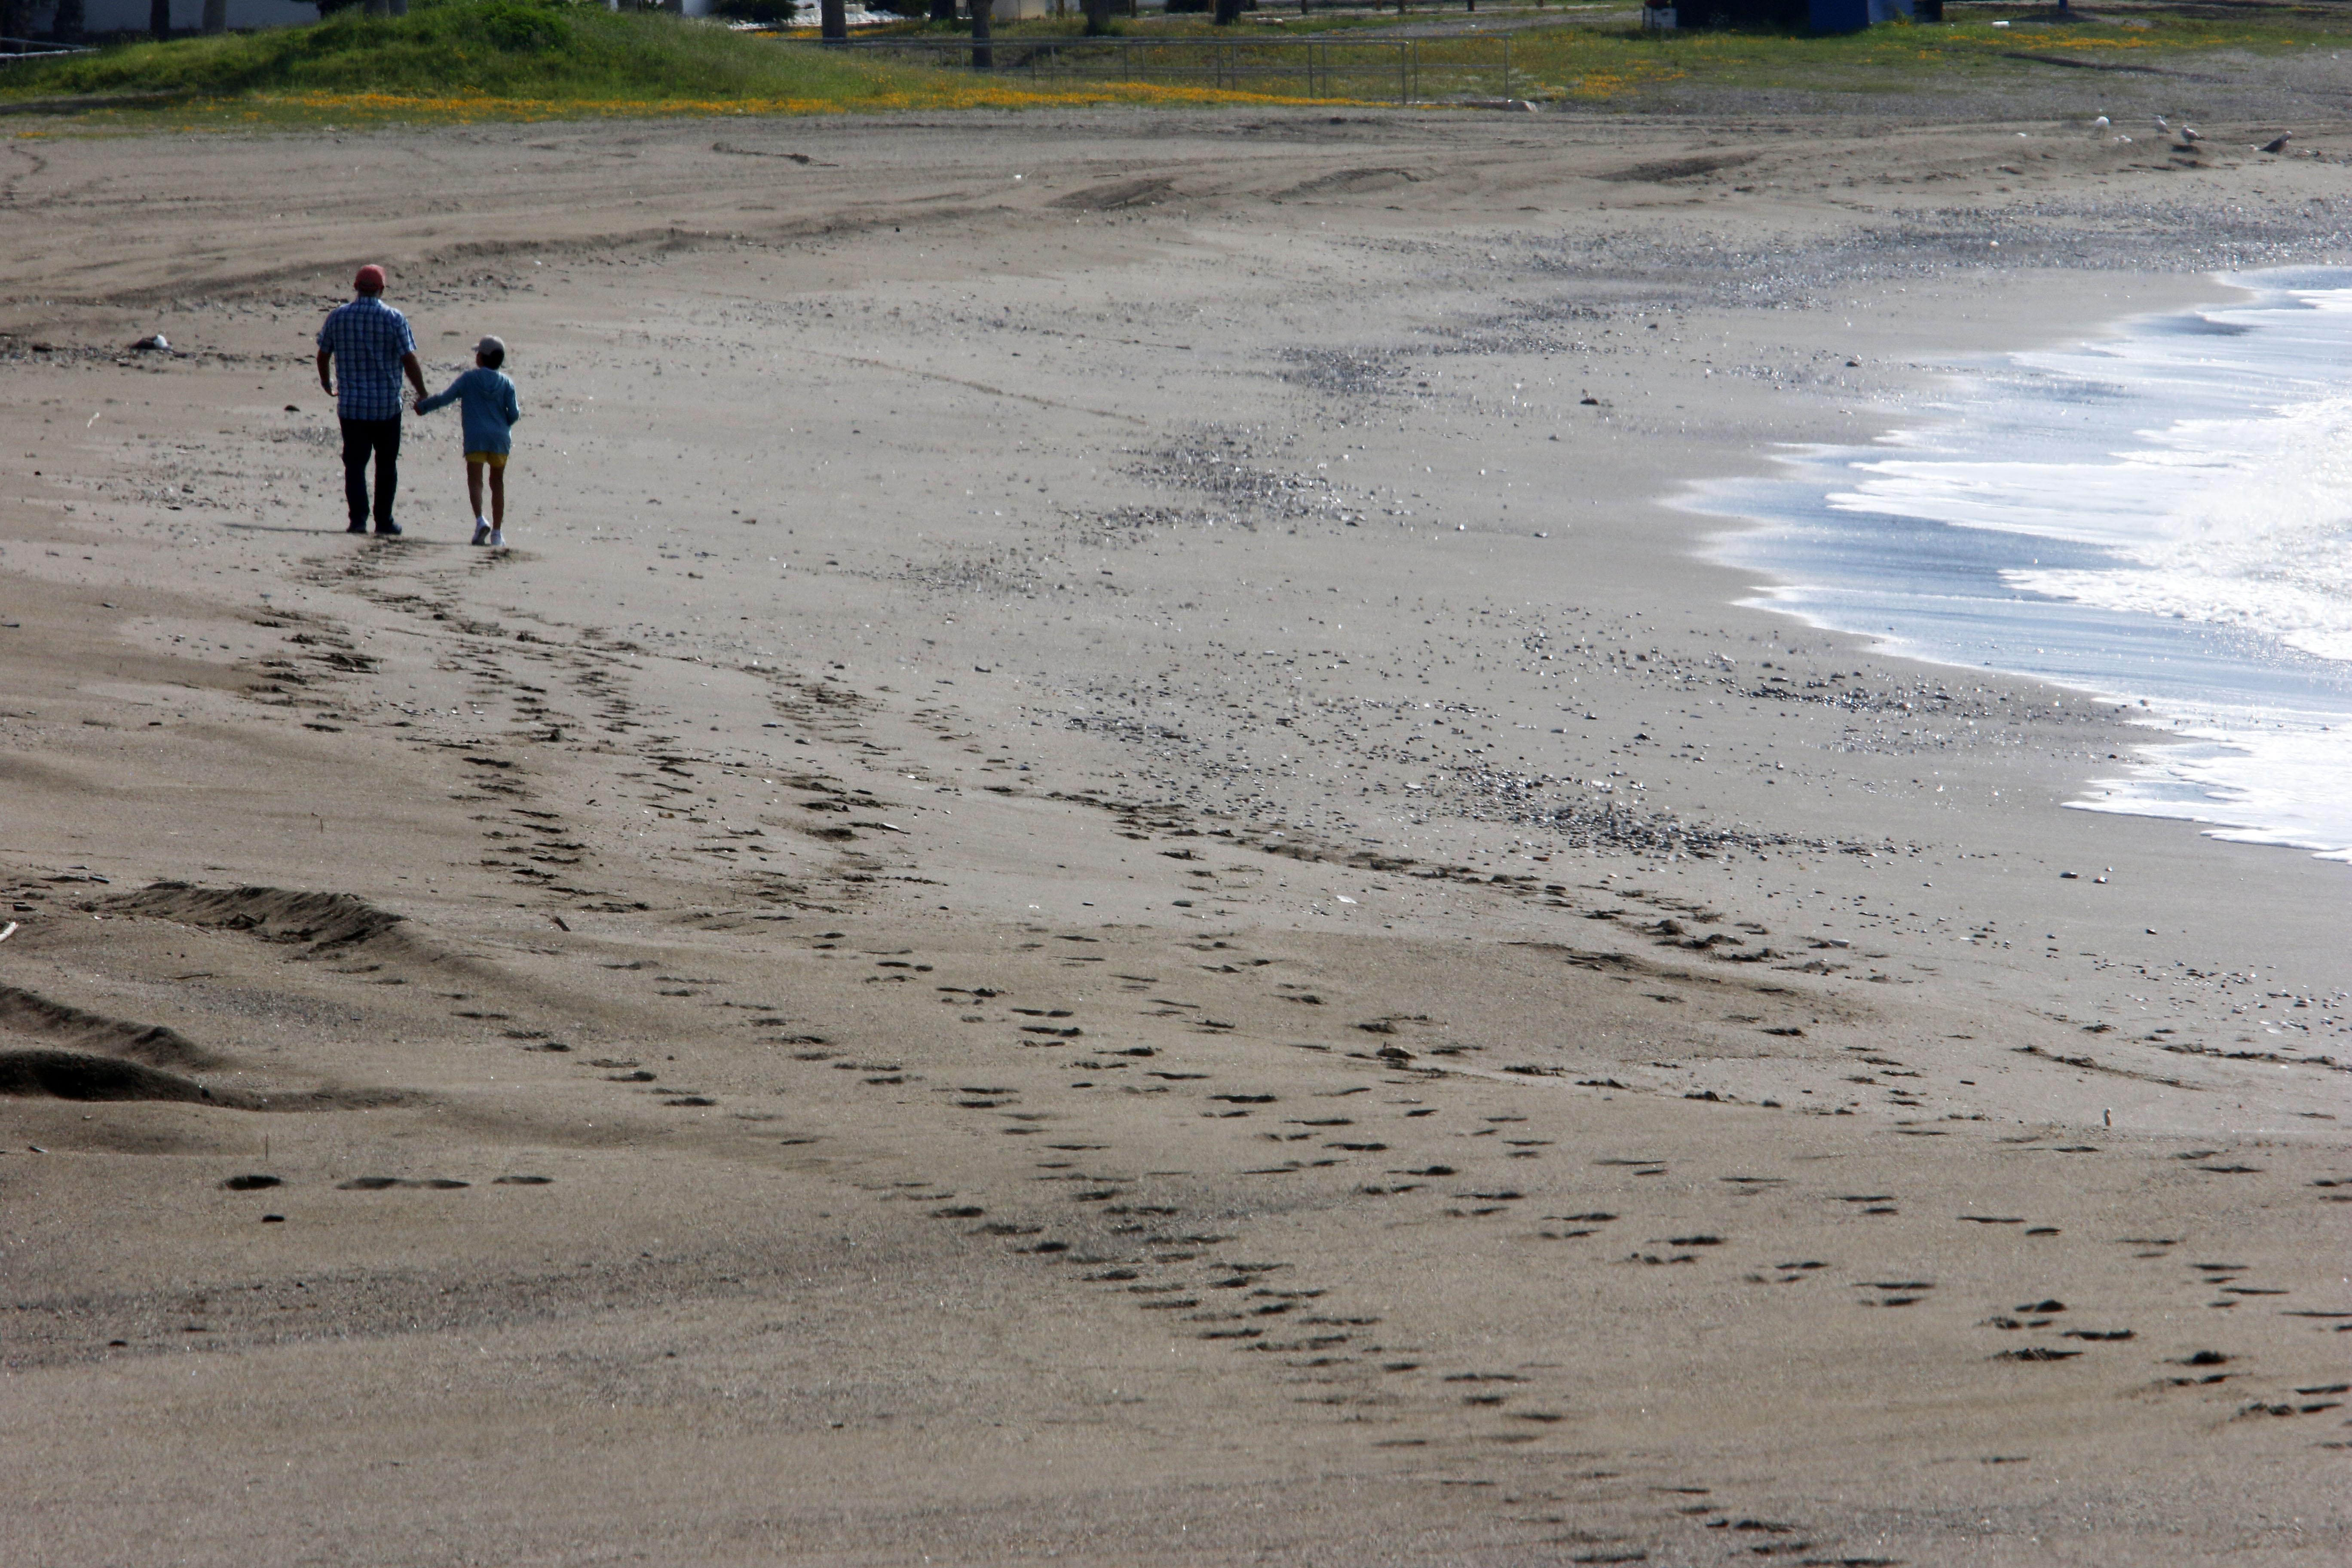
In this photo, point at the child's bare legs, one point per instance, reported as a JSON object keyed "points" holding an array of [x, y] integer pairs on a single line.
{"points": [[473, 487], [497, 498]]}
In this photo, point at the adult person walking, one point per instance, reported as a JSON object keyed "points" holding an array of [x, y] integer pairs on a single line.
{"points": [[371, 344]]}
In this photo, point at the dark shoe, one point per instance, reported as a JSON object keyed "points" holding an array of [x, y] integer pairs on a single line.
{"points": [[387, 528], [356, 528]]}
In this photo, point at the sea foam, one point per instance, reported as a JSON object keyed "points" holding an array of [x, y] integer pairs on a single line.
{"points": [[2162, 518]]}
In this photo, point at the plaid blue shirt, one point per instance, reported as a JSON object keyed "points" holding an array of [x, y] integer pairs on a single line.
{"points": [[367, 338]]}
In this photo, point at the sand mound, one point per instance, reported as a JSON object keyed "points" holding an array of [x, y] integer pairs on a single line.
{"points": [[321, 921], [1119, 193], [29, 1013], [1354, 182], [77, 1075], [81, 1075], [1666, 170], [122, 1060]]}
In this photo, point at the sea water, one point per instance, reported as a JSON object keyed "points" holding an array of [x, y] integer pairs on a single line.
{"points": [[2162, 518]]}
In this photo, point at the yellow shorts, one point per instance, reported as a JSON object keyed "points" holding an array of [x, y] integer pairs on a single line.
{"points": [[492, 459]]}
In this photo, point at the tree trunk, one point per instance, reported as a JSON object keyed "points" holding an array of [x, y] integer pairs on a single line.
{"points": [[944, 10], [1097, 17], [215, 16], [70, 20], [982, 56], [159, 18], [833, 21], [1228, 12]]}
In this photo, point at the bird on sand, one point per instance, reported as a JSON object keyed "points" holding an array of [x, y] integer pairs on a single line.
{"points": [[2100, 123], [2162, 124], [2191, 133], [2275, 144]]}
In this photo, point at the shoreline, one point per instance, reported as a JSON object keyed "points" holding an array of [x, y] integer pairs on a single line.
{"points": [[2227, 692], [875, 987]]}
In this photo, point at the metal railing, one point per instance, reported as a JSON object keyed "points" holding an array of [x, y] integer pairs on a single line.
{"points": [[1321, 65], [37, 49]]}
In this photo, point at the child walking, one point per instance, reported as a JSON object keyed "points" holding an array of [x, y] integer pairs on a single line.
{"points": [[489, 412]]}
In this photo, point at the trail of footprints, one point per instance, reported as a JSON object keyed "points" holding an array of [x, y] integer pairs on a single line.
{"points": [[538, 848], [1126, 1237], [1133, 1236]]}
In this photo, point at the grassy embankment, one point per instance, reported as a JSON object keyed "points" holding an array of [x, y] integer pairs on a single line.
{"points": [[471, 59], [1592, 54], [1983, 51]]}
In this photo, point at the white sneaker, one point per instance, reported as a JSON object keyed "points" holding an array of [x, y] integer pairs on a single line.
{"points": [[482, 534], [497, 539]]}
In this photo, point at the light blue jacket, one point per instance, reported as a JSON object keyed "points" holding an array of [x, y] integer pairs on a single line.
{"points": [[489, 412]]}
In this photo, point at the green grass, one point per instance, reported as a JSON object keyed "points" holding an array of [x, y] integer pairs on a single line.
{"points": [[1595, 55], [520, 49], [1152, 25], [1884, 55], [542, 58]]}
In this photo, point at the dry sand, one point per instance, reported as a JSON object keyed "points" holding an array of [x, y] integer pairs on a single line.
{"points": [[998, 940]]}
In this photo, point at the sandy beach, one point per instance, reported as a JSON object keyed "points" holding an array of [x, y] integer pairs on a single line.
{"points": [[1107, 878]]}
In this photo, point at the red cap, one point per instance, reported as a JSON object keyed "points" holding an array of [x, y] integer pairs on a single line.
{"points": [[369, 280]]}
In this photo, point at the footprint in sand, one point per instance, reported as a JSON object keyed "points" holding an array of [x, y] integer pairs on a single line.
{"points": [[382, 1184], [1898, 1292]]}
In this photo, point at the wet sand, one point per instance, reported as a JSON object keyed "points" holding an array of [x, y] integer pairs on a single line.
{"points": [[1105, 880]]}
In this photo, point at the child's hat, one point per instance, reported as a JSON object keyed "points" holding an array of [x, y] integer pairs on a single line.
{"points": [[491, 346]]}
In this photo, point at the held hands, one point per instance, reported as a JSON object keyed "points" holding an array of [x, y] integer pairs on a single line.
{"points": [[418, 407]]}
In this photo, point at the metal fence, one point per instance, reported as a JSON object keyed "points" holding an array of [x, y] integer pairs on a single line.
{"points": [[1321, 65], [35, 49]]}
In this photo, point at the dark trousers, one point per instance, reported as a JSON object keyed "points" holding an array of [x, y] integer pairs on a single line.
{"points": [[360, 438]]}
